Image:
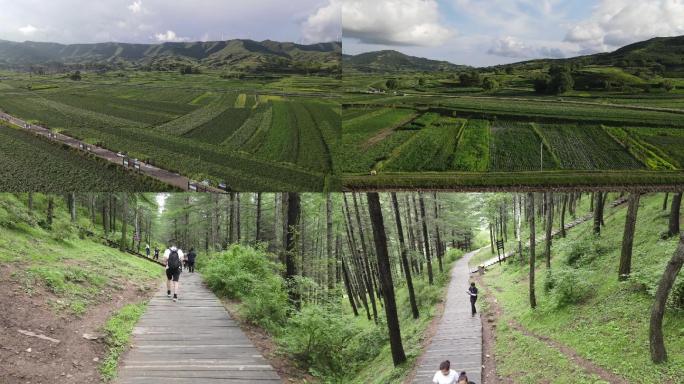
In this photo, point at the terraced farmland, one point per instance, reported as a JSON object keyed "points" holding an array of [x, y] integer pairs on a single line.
{"points": [[251, 139], [30, 163], [586, 147], [517, 147], [668, 142]]}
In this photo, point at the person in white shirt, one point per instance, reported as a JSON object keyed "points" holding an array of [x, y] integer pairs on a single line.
{"points": [[445, 375], [173, 259]]}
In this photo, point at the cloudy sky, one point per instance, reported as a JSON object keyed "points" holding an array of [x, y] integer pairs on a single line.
{"points": [[152, 21], [487, 32]]}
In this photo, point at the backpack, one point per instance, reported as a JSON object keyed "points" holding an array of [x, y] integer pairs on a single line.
{"points": [[174, 260]]}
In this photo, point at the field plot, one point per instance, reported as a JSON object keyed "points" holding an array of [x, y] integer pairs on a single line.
{"points": [[370, 137], [516, 147], [30, 163], [667, 142], [586, 147], [204, 127], [431, 149], [472, 152]]}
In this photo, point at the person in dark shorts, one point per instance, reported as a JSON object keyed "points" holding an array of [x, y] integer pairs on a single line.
{"points": [[472, 291], [174, 265], [147, 250], [156, 253], [191, 260]]}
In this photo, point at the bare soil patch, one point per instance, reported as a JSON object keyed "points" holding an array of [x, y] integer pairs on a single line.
{"points": [[74, 359]]}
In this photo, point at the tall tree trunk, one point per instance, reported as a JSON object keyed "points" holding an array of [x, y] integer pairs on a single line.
{"points": [[655, 333], [562, 213], [258, 217], [438, 240], [72, 206], [347, 286], [366, 262], [124, 221], [667, 194], [293, 213], [426, 238], [331, 262], [385, 276], [598, 212], [518, 235], [549, 228], [30, 203], [533, 298], [404, 258], [628, 237], [237, 217], [50, 210], [231, 220], [105, 216], [673, 227]]}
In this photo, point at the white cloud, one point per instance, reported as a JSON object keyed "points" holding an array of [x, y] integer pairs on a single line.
{"points": [[510, 46], [136, 7], [324, 24], [615, 23], [394, 22], [169, 36], [28, 29]]}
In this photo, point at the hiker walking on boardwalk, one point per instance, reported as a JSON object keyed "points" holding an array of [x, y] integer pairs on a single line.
{"points": [[472, 291], [445, 375], [172, 260], [191, 260], [156, 252], [147, 250]]}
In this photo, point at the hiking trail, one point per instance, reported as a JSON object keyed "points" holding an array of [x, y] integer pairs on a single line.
{"points": [[191, 341]]}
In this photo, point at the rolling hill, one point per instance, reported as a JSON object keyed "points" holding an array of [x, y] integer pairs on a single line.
{"points": [[231, 54], [393, 61]]}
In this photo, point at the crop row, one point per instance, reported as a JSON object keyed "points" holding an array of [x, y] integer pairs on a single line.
{"points": [[669, 140], [431, 149], [517, 147], [198, 117], [472, 151], [586, 147], [221, 127], [30, 163]]}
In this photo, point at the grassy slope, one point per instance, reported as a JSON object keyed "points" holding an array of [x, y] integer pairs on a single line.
{"points": [[74, 274], [610, 326]]}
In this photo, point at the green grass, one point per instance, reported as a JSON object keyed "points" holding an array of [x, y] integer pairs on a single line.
{"points": [[609, 326], [118, 331]]}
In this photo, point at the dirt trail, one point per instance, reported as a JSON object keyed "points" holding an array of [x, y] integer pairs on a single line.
{"points": [[495, 313]]}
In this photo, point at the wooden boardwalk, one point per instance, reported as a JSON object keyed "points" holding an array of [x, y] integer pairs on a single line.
{"points": [[191, 341], [459, 334]]}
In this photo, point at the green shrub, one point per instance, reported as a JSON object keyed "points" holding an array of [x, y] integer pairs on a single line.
{"points": [[581, 253], [248, 275], [549, 281], [570, 287]]}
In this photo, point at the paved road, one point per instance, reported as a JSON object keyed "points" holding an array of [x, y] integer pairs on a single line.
{"points": [[192, 341], [162, 175], [459, 335]]}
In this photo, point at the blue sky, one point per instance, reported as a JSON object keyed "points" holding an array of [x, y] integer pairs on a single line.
{"points": [[153, 21], [488, 32]]}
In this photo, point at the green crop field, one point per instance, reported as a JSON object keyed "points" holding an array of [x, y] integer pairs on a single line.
{"points": [[271, 133], [510, 129], [30, 163]]}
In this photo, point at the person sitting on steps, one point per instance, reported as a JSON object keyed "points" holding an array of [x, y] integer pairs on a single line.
{"points": [[173, 260], [445, 375]]}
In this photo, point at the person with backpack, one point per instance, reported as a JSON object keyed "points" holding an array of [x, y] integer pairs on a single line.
{"points": [[147, 250], [191, 260], [156, 252], [173, 260], [472, 292]]}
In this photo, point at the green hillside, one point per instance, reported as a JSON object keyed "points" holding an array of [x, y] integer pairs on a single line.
{"points": [[247, 55], [62, 283], [583, 306], [393, 61]]}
